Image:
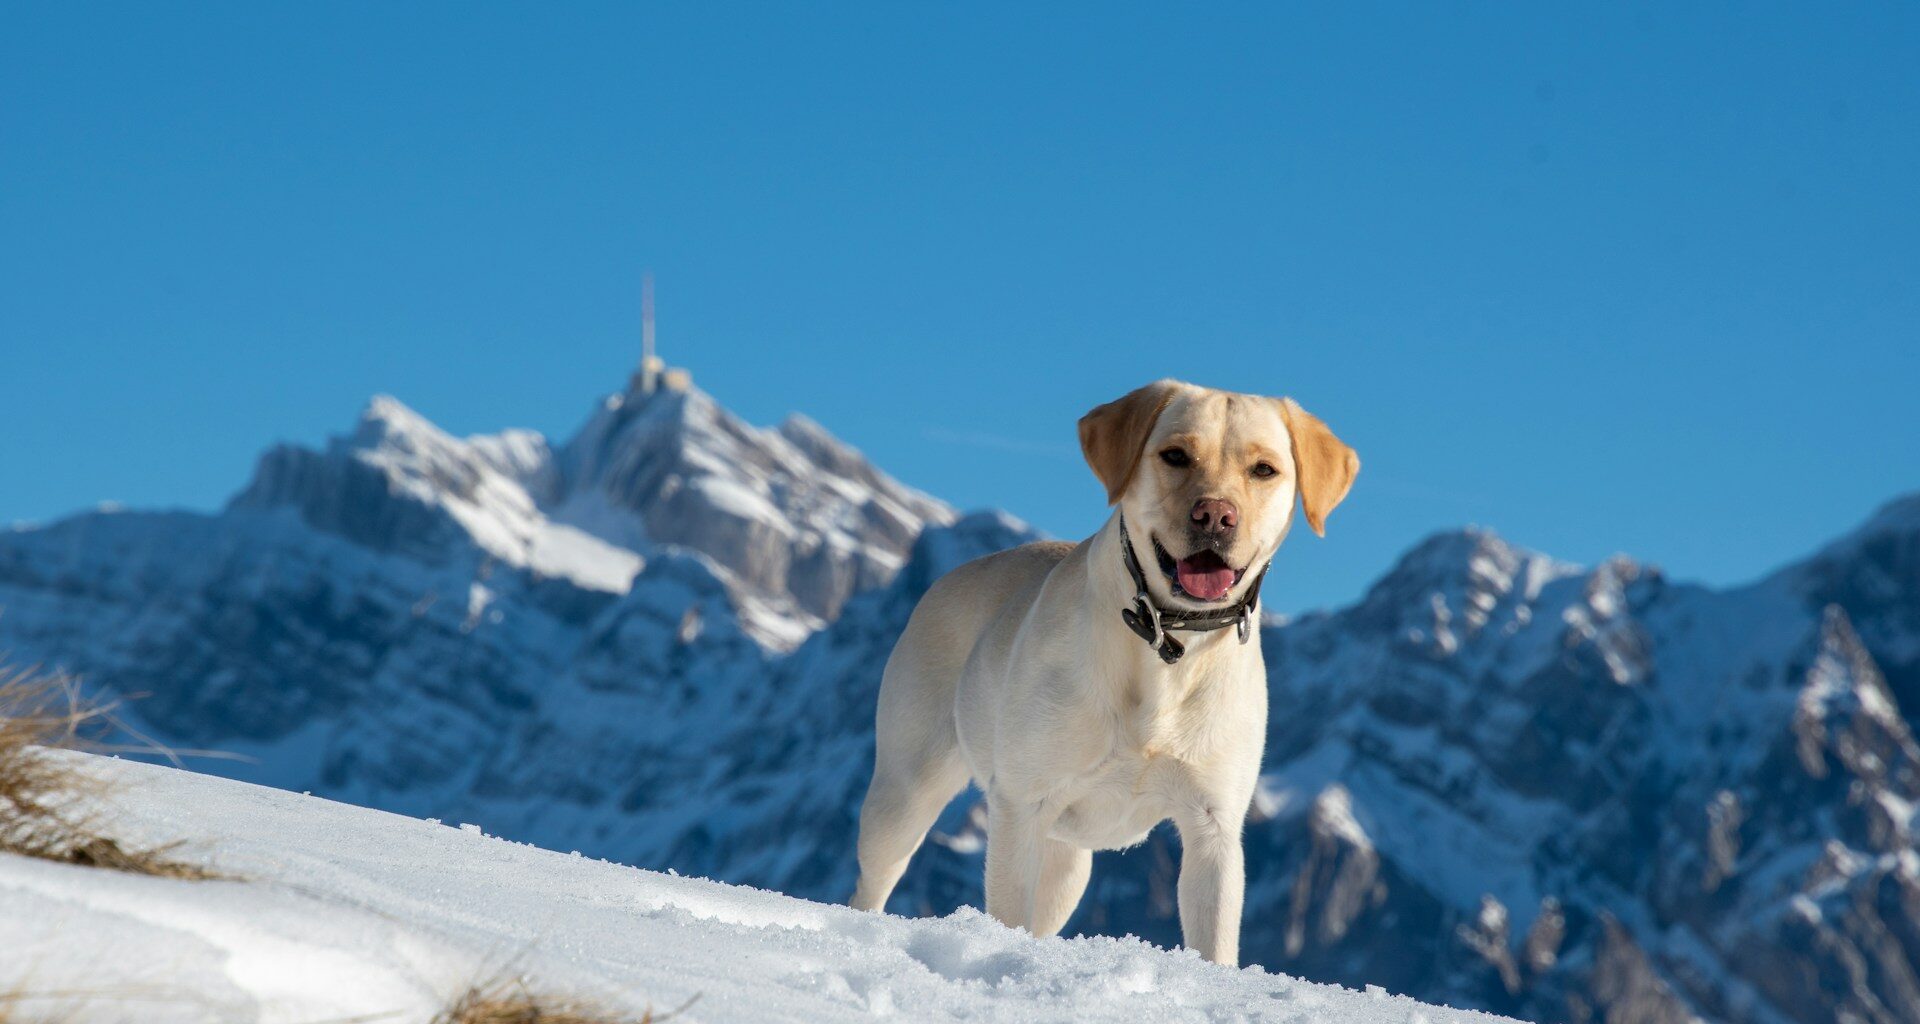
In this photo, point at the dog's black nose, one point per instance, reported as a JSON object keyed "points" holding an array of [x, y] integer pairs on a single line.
{"points": [[1215, 516]]}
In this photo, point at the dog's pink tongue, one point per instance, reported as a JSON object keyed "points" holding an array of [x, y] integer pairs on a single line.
{"points": [[1208, 582]]}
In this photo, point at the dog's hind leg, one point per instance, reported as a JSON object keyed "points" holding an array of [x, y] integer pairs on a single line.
{"points": [[917, 766], [919, 760], [902, 803]]}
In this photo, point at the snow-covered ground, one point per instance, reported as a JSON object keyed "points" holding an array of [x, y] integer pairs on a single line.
{"points": [[341, 913]]}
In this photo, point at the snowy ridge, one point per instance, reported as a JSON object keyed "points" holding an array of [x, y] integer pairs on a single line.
{"points": [[484, 485], [1497, 780], [347, 914]]}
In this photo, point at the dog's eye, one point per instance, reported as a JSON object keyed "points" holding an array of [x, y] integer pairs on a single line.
{"points": [[1176, 457], [1264, 470]]}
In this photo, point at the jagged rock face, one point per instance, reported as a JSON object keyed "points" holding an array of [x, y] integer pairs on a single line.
{"points": [[1497, 780], [792, 521], [792, 513], [1870, 573]]}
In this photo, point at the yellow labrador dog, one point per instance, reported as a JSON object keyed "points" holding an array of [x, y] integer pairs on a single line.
{"points": [[1094, 690]]}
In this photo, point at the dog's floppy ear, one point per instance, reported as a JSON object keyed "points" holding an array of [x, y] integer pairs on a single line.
{"points": [[1325, 464], [1112, 435]]}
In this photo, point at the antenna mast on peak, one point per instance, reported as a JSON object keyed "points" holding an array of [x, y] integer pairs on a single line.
{"points": [[646, 317], [650, 363], [653, 373]]}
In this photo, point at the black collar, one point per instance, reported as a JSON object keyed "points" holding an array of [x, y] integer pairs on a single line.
{"points": [[1155, 624]]}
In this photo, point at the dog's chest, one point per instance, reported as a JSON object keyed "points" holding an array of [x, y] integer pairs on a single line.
{"points": [[1113, 811], [1121, 800]]}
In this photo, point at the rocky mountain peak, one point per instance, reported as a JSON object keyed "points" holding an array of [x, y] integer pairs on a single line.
{"points": [[792, 514], [791, 519], [387, 420], [1449, 588], [1472, 560], [1870, 572]]}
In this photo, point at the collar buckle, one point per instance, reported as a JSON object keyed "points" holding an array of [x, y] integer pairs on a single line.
{"points": [[1144, 619]]}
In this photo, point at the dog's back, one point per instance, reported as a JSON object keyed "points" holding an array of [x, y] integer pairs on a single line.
{"points": [[917, 762]]}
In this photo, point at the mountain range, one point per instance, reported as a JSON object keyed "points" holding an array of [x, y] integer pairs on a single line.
{"points": [[1497, 780]]}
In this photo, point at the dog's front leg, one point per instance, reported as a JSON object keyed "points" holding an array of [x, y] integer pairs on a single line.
{"points": [[1213, 881], [1013, 860]]}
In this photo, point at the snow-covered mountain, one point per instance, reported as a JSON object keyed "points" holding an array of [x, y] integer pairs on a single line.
{"points": [[791, 520], [1498, 780]]}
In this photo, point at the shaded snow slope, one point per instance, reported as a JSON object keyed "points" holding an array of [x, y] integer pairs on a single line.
{"points": [[343, 913]]}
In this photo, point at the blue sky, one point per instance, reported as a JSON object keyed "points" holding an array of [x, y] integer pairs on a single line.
{"points": [[1617, 279]]}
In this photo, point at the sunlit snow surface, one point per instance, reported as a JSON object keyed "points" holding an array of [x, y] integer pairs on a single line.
{"points": [[347, 913]]}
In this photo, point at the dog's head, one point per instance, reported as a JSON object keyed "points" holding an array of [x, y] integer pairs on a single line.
{"points": [[1207, 480]]}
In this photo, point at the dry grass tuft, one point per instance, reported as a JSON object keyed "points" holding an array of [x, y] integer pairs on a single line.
{"points": [[511, 1001], [11, 1013], [14, 1009], [71, 1006], [43, 797]]}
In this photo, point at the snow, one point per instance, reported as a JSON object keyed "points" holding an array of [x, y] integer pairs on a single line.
{"points": [[488, 484], [740, 501], [556, 549], [337, 912], [1334, 809]]}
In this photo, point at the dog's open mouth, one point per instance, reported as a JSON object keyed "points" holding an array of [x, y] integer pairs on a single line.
{"points": [[1203, 575]]}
